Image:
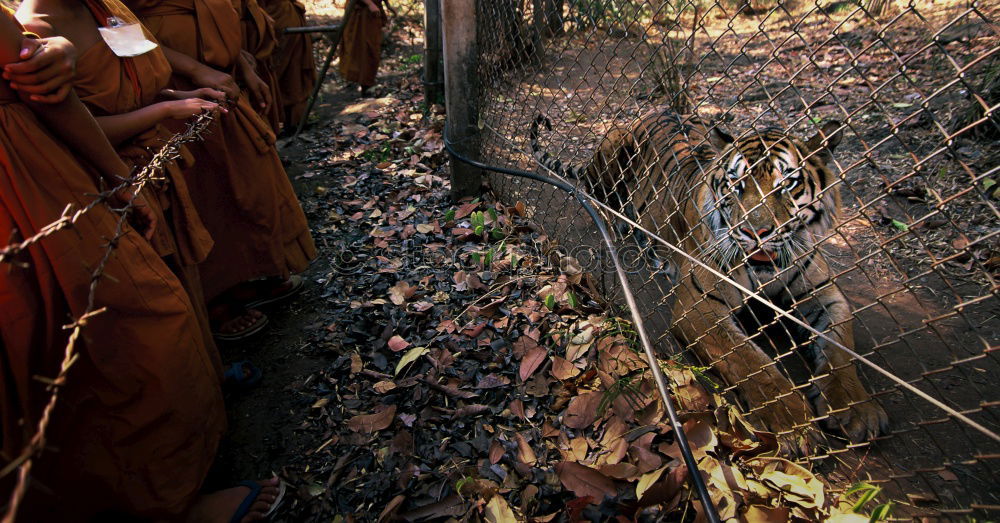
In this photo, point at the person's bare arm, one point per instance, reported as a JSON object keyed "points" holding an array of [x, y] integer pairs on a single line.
{"points": [[121, 127], [201, 74], [72, 122]]}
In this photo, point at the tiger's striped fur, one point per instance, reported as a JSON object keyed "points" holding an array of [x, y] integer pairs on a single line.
{"points": [[753, 208]]}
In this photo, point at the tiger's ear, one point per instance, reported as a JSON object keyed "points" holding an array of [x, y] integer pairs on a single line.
{"points": [[719, 138], [826, 140]]}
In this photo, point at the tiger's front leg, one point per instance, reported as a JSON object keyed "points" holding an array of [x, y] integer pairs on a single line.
{"points": [[773, 402], [838, 393]]}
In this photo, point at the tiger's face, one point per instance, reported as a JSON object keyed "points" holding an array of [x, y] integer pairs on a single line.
{"points": [[770, 197]]}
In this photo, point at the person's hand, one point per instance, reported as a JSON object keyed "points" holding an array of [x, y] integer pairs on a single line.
{"points": [[142, 217], [45, 71], [205, 93], [259, 90], [208, 77], [372, 6], [188, 107]]}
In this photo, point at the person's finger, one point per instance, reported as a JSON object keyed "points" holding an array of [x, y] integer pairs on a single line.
{"points": [[53, 98], [150, 219], [212, 94], [42, 85], [267, 95], [37, 63], [29, 46], [261, 95]]}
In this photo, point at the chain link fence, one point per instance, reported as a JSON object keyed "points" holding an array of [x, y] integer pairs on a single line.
{"points": [[723, 248]]}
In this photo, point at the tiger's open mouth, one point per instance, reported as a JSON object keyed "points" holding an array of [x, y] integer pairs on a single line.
{"points": [[764, 258]]}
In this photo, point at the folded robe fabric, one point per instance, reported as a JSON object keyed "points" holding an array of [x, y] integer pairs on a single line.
{"points": [[260, 41], [110, 85], [293, 62], [238, 184]]}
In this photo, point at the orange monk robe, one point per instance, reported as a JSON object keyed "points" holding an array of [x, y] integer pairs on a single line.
{"points": [[293, 61], [140, 416], [238, 183], [361, 46], [110, 85], [260, 41]]}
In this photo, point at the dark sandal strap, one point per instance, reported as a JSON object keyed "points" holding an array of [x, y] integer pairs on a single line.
{"points": [[248, 501]]}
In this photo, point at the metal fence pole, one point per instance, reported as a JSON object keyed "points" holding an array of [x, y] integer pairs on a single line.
{"points": [[458, 19], [433, 74]]}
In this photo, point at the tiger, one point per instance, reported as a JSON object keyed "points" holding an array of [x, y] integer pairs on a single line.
{"points": [[752, 208]]}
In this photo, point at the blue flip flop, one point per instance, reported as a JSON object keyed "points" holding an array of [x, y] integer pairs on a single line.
{"points": [[250, 498], [242, 375]]}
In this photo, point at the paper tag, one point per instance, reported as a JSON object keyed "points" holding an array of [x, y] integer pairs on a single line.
{"points": [[126, 40]]}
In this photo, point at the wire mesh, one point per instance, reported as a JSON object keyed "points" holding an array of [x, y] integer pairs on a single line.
{"points": [[906, 276]]}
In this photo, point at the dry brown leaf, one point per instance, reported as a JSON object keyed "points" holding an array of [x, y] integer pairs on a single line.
{"points": [[642, 456], [390, 509], [623, 471], [465, 210], [613, 431], [384, 386], [617, 359], [401, 292], [668, 488], [531, 361], [523, 345], [947, 475], [525, 454], [799, 485], [356, 364], [585, 481], [616, 452], [562, 369], [700, 436], [397, 343], [690, 395], [496, 452], [647, 480], [770, 514], [517, 408], [575, 350], [371, 423], [578, 448], [498, 511], [452, 505], [582, 410]]}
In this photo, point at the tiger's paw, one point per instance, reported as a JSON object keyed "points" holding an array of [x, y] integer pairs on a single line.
{"points": [[790, 419], [859, 422]]}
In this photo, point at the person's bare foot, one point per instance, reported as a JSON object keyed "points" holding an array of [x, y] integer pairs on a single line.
{"points": [[232, 322], [221, 506]]}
